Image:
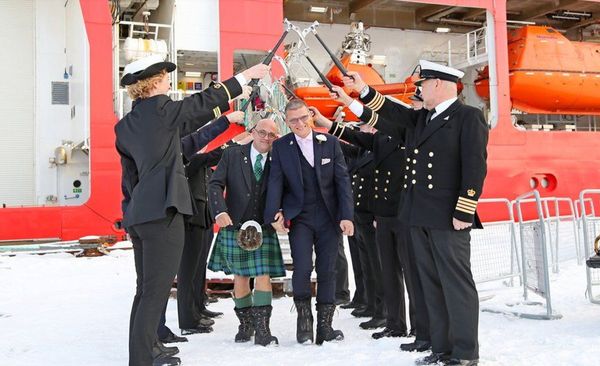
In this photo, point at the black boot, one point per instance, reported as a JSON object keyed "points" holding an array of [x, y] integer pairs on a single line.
{"points": [[161, 348], [325, 331], [262, 316], [246, 328], [304, 325]]}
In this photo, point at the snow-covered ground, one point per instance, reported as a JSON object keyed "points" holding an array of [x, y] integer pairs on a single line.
{"points": [[60, 310]]}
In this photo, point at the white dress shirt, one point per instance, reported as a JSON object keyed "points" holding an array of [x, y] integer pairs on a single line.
{"points": [[440, 108], [253, 154], [307, 148]]}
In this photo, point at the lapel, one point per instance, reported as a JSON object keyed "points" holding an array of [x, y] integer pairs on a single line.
{"points": [[318, 153], [436, 123], [294, 152], [247, 166]]}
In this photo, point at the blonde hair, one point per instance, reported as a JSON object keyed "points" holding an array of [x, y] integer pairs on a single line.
{"points": [[144, 87]]}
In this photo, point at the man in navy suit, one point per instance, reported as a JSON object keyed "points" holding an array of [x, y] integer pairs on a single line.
{"points": [[310, 197]]}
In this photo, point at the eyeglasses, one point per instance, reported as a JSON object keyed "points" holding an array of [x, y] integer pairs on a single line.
{"points": [[302, 119], [263, 134]]}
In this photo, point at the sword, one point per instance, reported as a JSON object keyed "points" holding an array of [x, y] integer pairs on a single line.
{"points": [[323, 78], [331, 54]]}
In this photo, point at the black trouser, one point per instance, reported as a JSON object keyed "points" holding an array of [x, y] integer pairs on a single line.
{"points": [[393, 252], [200, 277], [341, 278], [364, 233], [444, 264], [157, 249], [358, 256], [188, 269], [416, 296]]}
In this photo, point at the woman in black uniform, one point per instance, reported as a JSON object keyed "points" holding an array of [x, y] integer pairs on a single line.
{"points": [[156, 192]]}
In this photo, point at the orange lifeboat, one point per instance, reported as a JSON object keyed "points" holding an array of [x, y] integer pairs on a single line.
{"points": [[318, 96], [550, 74]]}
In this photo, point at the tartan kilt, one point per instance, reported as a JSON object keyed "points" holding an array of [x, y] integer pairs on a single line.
{"points": [[228, 257]]}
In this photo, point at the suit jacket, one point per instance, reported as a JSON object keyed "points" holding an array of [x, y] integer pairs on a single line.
{"points": [[446, 159], [149, 143], [285, 191], [235, 177], [389, 172]]}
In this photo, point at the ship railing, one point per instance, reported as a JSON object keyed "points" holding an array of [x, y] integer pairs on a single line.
{"points": [[469, 49], [534, 262], [494, 250], [591, 229], [562, 229]]}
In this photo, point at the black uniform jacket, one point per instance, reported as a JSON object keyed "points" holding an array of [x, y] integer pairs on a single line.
{"points": [[445, 159], [360, 168], [388, 171], [149, 143], [234, 174]]}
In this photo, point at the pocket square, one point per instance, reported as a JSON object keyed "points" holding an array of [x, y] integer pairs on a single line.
{"points": [[325, 161]]}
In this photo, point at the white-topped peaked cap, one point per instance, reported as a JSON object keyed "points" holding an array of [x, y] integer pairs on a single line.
{"points": [[145, 68], [431, 70]]}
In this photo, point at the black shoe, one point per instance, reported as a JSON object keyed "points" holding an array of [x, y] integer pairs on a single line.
{"points": [[205, 321], [172, 338], [593, 262], [246, 327], [262, 332], [433, 359], [351, 305], [211, 314], [211, 299], [457, 361], [387, 332], [304, 324], [416, 346], [166, 361], [325, 331], [342, 301], [362, 312], [162, 349], [373, 323], [200, 329]]}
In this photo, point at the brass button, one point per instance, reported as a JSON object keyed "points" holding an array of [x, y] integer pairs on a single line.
{"points": [[362, 179], [353, 183], [359, 196], [376, 196], [414, 172], [389, 173], [376, 171], [429, 165], [376, 188], [405, 186], [406, 177], [360, 187], [416, 151], [414, 181], [430, 186], [376, 180], [431, 154], [357, 203], [387, 180], [429, 177], [385, 189], [354, 176], [408, 160], [407, 168], [414, 161]]}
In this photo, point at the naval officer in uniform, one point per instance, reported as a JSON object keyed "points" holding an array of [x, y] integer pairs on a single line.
{"points": [[446, 167]]}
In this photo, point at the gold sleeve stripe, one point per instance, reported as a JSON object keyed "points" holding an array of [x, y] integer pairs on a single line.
{"points": [[472, 209], [379, 102], [337, 125], [465, 211], [217, 112], [226, 91], [378, 98], [373, 120], [467, 200], [342, 131], [467, 204]]}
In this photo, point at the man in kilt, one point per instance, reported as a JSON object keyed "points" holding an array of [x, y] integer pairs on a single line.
{"points": [[243, 172]]}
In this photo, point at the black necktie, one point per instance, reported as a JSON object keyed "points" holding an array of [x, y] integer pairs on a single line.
{"points": [[429, 114]]}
